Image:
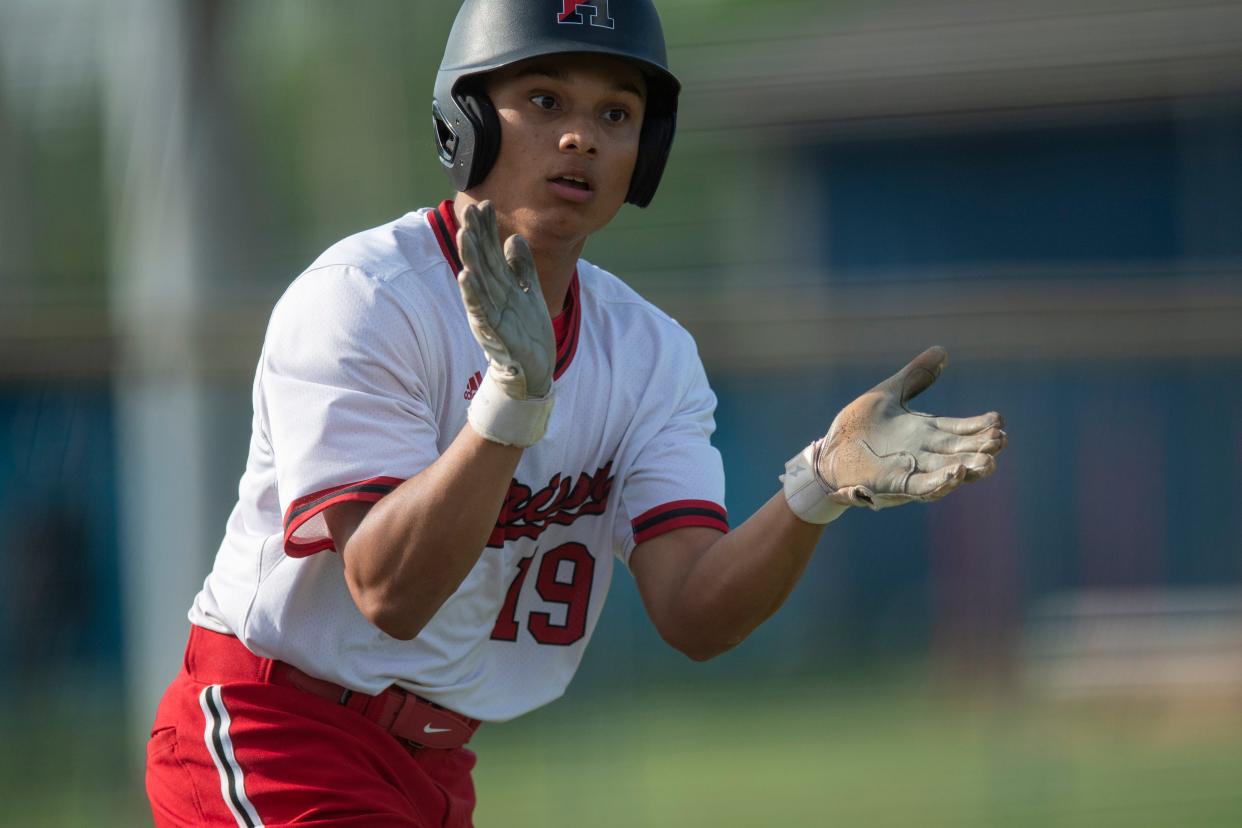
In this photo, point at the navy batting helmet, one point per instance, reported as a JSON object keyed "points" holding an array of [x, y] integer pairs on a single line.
{"points": [[491, 34]]}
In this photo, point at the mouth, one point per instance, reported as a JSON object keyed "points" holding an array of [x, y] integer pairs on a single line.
{"points": [[573, 188], [573, 181]]}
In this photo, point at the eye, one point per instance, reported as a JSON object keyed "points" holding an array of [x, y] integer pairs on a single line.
{"points": [[544, 102], [616, 115]]}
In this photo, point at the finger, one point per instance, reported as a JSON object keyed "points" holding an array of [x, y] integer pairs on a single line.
{"points": [[472, 246], [468, 222], [977, 465], [969, 425], [988, 441], [517, 253], [917, 376], [471, 293], [936, 484], [489, 242], [488, 212], [468, 239], [472, 258], [522, 262]]}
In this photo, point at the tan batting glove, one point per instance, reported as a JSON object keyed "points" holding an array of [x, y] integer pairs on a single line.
{"points": [[879, 453], [509, 318]]}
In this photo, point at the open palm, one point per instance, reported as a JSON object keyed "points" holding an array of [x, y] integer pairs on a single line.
{"points": [[879, 453], [505, 305]]}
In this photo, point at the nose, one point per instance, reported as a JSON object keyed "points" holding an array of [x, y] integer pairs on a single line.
{"points": [[580, 137]]}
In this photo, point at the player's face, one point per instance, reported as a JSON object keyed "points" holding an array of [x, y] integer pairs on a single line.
{"points": [[569, 139]]}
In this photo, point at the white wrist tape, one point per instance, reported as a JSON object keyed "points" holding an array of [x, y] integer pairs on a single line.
{"points": [[496, 416], [803, 491]]}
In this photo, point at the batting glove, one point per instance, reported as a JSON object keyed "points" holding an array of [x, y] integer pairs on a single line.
{"points": [[878, 453], [509, 318]]}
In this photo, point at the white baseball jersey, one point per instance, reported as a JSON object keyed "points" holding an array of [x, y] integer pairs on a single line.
{"points": [[367, 370]]}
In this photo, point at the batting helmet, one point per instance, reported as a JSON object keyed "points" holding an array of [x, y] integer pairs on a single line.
{"points": [[491, 34]]}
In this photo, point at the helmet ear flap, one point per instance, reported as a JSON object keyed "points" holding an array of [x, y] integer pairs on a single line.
{"points": [[447, 141], [467, 131], [485, 122], [654, 143]]}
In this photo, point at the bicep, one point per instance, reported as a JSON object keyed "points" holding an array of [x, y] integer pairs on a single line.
{"points": [[343, 519], [661, 567]]}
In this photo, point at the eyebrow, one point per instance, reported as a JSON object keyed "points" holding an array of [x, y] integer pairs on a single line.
{"points": [[556, 73]]}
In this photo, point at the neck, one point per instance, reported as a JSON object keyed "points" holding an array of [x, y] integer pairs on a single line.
{"points": [[555, 260], [555, 274]]}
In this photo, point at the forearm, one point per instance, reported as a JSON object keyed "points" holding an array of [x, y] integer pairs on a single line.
{"points": [[706, 592], [743, 578], [414, 548]]}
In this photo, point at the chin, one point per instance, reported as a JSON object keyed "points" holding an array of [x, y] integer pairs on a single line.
{"points": [[559, 222]]}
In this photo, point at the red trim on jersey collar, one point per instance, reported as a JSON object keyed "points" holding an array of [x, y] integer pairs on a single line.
{"points": [[444, 225], [566, 325]]}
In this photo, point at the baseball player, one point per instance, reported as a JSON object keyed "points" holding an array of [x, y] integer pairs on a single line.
{"points": [[454, 437]]}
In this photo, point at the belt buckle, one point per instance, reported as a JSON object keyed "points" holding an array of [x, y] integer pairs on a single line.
{"points": [[426, 725]]}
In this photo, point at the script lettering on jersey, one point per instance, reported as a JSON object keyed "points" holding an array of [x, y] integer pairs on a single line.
{"points": [[600, 17], [527, 513]]}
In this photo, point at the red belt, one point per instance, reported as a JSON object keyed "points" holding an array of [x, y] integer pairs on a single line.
{"points": [[215, 658]]}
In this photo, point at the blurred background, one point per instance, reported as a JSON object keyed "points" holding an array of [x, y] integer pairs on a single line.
{"points": [[1052, 190]]}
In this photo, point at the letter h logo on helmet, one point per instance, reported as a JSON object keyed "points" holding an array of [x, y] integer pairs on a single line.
{"points": [[572, 13]]}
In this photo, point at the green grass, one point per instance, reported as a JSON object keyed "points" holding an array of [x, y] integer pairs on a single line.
{"points": [[814, 756], [69, 765], [877, 759]]}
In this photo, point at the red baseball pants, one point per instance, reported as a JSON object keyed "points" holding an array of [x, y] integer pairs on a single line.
{"points": [[242, 753]]}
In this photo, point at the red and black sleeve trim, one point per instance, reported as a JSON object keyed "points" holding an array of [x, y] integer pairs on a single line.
{"points": [[567, 323], [305, 508], [655, 522]]}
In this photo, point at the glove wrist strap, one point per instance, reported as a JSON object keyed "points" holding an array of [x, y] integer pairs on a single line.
{"points": [[804, 493], [496, 416]]}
